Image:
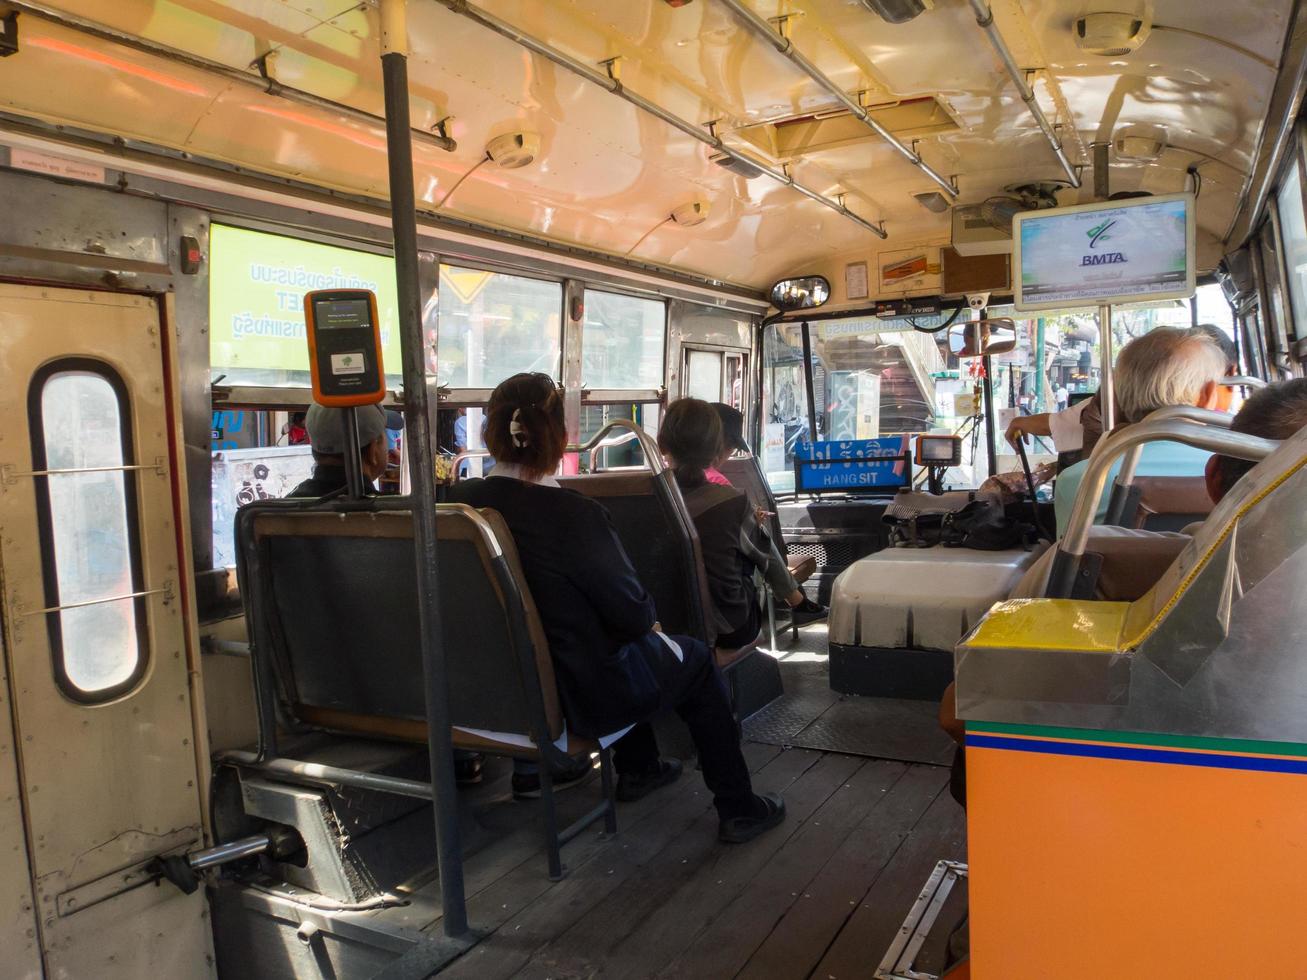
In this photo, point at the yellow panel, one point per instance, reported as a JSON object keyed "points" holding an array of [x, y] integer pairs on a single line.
{"points": [[1050, 624]]}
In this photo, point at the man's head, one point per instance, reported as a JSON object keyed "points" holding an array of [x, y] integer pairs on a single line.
{"points": [[1276, 412], [1167, 366], [732, 429], [326, 428]]}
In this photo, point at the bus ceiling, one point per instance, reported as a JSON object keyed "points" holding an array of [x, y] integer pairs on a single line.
{"points": [[795, 145]]}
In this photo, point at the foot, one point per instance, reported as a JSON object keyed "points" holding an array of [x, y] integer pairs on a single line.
{"points": [[769, 813], [467, 772], [526, 786], [632, 786], [807, 612]]}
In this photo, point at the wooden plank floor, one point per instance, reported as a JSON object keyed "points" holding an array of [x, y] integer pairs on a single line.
{"points": [[821, 896]]}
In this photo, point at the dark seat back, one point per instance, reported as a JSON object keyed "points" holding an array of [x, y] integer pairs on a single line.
{"points": [[331, 604], [655, 529], [1170, 503], [746, 475]]}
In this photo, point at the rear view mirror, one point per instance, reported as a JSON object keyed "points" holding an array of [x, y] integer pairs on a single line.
{"points": [[982, 338], [801, 293]]}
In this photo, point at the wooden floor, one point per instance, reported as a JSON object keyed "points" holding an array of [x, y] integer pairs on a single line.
{"points": [[822, 896]]}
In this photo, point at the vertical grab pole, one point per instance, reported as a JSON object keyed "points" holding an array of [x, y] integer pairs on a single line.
{"points": [[353, 455], [399, 147], [1106, 390], [806, 333], [987, 365]]}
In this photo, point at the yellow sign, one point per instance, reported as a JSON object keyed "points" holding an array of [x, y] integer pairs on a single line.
{"points": [[466, 283]]}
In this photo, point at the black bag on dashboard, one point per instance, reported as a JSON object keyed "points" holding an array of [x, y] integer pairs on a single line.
{"points": [[983, 526], [916, 519]]}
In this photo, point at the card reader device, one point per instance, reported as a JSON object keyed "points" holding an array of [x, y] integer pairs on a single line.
{"points": [[344, 335], [937, 453], [345, 364]]}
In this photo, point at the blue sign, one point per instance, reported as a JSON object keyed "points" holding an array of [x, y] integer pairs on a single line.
{"points": [[855, 464]]}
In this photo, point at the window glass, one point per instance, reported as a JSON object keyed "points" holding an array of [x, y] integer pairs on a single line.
{"points": [[1293, 229], [784, 404], [493, 326], [89, 528], [257, 283], [595, 417], [703, 374], [622, 346]]}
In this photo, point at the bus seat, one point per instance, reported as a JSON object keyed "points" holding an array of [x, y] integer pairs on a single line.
{"points": [[896, 615], [1214, 647], [1171, 503], [1133, 561], [330, 602], [658, 534]]}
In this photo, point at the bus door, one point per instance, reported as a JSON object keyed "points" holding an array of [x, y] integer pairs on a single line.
{"points": [[98, 704]]}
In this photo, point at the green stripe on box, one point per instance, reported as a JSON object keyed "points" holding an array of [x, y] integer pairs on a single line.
{"points": [[1142, 738]]}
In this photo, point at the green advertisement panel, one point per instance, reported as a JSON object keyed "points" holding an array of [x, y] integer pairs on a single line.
{"points": [[257, 283]]}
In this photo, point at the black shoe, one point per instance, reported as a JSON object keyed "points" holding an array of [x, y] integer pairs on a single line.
{"points": [[741, 830], [807, 612], [632, 786], [526, 786], [467, 771]]}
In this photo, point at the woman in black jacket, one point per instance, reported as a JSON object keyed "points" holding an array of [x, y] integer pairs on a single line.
{"points": [[614, 668], [693, 439]]}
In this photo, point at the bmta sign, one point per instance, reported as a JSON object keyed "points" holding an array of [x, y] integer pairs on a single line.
{"points": [[856, 464]]}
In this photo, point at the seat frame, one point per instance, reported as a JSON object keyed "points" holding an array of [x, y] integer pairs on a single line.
{"points": [[276, 697]]}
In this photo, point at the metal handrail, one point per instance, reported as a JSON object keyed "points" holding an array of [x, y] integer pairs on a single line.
{"points": [[1245, 381], [1188, 412], [652, 456], [1071, 548], [634, 433]]}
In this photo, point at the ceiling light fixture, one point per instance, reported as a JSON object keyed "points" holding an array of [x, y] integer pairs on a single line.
{"points": [[932, 201], [513, 150]]}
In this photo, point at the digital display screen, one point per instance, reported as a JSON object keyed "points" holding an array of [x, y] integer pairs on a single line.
{"points": [[1114, 252], [342, 314], [938, 450]]}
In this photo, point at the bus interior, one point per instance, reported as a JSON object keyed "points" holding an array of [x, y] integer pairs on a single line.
{"points": [[231, 722]]}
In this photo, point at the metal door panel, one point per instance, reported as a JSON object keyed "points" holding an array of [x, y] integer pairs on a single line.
{"points": [[20, 958], [106, 786]]}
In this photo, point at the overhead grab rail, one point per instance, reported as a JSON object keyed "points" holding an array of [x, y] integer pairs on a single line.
{"points": [[1125, 478], [262, 81], [785, 46], [1070, 557], [985, 18], [606, 81]]}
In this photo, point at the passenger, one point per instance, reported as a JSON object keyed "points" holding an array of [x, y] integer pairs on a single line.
{"points": [[1225, 395], [690, 436], [326, 430], [1167, 366], [1277, 411], [755, 533], [1074, 431], [614, 667]]}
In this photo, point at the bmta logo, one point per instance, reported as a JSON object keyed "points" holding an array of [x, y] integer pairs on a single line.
{"points": [[1101, 234]]}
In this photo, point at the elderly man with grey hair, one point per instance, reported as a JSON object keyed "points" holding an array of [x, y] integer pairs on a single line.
{"points": [[1167, 366]]}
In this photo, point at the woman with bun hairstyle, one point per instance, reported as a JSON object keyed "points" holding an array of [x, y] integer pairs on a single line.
{"points": [[614, 668]]}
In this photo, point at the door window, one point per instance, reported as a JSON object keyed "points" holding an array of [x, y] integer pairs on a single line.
{"points": [[86, 508]]}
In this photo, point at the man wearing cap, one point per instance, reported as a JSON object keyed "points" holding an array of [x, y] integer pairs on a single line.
{"points": [[326, 428]]}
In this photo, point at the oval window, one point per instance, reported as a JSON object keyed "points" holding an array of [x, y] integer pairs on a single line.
{"points": [[86, 509]]}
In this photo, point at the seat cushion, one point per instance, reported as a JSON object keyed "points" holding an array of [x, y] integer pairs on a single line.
{"points": [[802, 567]]}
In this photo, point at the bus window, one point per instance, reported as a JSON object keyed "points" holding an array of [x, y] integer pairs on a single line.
{"points": [[622, 345], [493, 325], [87, 516], [1293, 232]]}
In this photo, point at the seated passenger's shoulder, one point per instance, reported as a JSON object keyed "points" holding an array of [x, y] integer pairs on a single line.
{"points": [[710, 496]]}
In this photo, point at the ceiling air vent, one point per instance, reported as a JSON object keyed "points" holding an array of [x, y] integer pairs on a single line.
{"points": [[741, 168], [1111, 34], [513, 150]]}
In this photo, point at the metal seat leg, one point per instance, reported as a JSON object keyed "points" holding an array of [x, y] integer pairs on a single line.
{"points": [[610, 797], [553, 846]]}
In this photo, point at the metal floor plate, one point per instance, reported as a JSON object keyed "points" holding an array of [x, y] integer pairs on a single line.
{"points": [[812, 716]]}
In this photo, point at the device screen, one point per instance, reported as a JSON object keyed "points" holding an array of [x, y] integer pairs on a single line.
{"points": [[342, 313], [938, 450]]}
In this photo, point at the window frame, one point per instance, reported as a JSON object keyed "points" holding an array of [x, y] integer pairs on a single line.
{"points": [[45, 526]]}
